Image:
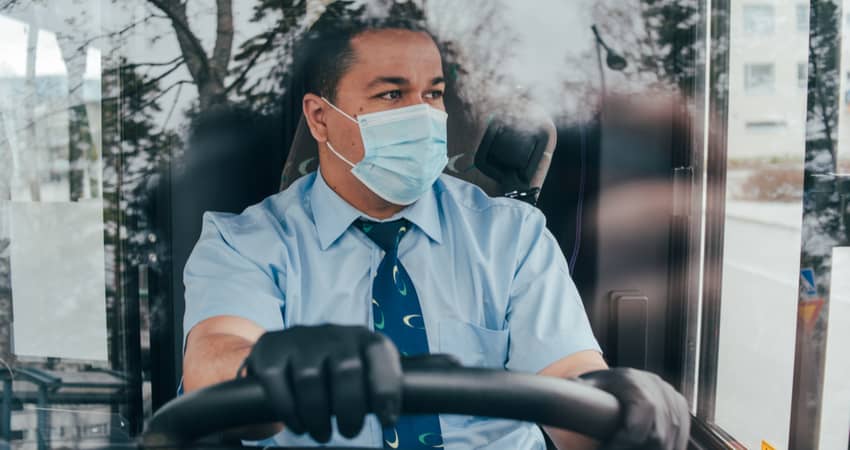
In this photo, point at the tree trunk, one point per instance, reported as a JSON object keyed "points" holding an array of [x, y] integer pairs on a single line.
{"points": [[30, 160], [207, 73], [79, 137]]}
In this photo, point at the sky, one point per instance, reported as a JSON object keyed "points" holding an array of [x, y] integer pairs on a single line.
{"points": [[553, 29], [13, 52], [551, 36]]}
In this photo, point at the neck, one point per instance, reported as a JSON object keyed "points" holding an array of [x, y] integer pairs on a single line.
{"points": [[361, 198], [381, 212]]}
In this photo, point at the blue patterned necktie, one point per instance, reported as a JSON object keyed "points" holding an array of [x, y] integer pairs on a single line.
{"points": [[398, 315]]}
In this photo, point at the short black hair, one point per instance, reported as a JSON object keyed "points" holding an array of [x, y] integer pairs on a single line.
{"points": [[324, 54]]}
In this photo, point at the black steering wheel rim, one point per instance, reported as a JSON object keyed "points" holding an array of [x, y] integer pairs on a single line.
{"points": [[556, 402]]}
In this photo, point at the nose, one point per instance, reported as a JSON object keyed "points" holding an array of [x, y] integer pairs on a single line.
{"points": [[416, 99]]}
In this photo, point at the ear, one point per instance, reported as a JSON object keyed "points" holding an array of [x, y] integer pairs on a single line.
{"points": [[314, 111]]}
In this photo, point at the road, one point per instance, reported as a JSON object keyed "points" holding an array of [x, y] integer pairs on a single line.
{"points": [[758, 326]]}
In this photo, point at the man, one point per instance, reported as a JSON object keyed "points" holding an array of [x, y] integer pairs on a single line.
{"points": [[378, 240]]}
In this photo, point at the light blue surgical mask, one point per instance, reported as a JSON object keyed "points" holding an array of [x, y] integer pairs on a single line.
{"points": [[404, 151]]}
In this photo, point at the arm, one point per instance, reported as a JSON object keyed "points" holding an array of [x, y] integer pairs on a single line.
{"points": [[547, 315], [215, 348], [571, 367], [231, 300]]}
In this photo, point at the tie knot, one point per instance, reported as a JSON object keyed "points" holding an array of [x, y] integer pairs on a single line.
{"points": [[386, 234]]}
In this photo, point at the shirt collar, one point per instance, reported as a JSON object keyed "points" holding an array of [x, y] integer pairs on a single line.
{"points": [[333, 215]]}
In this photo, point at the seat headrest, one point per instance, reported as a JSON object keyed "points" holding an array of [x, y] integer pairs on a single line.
{"points": [[517, 154]]}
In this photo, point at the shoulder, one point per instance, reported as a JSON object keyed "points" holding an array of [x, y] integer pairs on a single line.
{"points": [[509, 225], [265, 219], [468, 199]]}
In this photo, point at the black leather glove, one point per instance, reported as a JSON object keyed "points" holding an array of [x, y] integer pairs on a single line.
{"points": [[311, 373], [655, 416]]}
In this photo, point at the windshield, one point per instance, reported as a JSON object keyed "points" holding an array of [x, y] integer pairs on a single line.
{"points": [[690, 156]]}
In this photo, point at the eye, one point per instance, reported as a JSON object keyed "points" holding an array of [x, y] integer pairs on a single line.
{"points": [[435, 94], [390, 95]]}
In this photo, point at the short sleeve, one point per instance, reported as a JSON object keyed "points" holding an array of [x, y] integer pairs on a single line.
{"points": [[221, 279], [546, 318]]}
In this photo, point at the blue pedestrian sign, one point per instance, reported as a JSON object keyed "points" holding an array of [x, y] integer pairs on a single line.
{"points": [[807, 282]]}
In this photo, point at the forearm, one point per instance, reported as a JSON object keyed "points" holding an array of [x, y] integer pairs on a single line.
{"points": [[215, 359], [572, 367], [567, 440]]}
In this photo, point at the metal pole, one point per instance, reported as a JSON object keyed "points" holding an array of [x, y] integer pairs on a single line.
{"points": [[6, 413], [43, 419], [601, 69]]}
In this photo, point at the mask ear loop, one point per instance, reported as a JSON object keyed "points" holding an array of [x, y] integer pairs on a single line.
{"points": [[331, 147], [340, 111]]}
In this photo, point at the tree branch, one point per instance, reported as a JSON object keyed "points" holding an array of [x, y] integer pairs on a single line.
{"points": [[120, 32], [159, 77], [173, 106], [826, 121], [176, 60], [162, 93], [224, 37], [241, 77], [7, 4]]}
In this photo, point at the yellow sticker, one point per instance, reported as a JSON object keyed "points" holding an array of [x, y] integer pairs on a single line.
{"points": [[809, 311], [766, 446]]}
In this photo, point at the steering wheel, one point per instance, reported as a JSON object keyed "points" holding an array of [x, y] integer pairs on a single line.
{"points": [[543, 400]]}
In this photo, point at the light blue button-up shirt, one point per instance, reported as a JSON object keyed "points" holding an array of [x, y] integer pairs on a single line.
{"points": [[491, 279]]}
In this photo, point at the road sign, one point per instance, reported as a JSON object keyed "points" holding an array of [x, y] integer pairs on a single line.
{"points": [[807, 282], [809, 311]]}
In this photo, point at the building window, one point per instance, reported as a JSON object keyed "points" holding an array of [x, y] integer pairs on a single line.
{"points": [[765, 125], [759, 19], [759, 78], [803, 17], [802, 75]]}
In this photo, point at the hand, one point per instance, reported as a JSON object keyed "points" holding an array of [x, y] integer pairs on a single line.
{"points": [[311, 373], [655, 416]]}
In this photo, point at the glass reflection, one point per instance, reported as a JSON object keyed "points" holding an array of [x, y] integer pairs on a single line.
{"points": [[823, 221], [63, 381], [762, 225], [836, 407], [104, 105], [108, 110]]}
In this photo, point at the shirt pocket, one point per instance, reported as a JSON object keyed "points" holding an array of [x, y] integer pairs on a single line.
{"points": [[473, 345]]}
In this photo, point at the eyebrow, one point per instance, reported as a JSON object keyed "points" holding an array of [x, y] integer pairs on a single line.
{"points": [[400, 81]]}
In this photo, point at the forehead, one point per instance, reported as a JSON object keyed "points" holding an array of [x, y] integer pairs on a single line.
{"points": [[411, 54]]}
